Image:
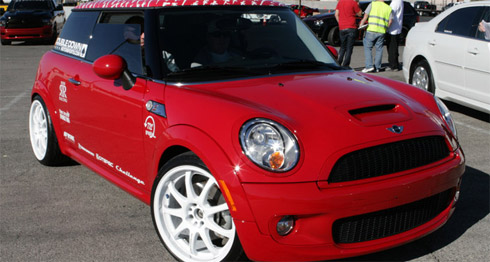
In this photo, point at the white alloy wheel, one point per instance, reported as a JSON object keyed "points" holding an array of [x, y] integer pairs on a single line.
{"points": [[191, 215], [38, 129], [420, 78]]}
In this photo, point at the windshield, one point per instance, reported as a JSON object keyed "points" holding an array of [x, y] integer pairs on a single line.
{"points": [[238, 41], [29, 5]]}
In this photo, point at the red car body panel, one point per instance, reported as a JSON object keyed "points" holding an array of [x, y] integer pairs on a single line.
{"points": [[44, 32], [108, 129]]}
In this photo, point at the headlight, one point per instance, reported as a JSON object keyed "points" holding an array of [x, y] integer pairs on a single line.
{"points": [[318, 22], [269, 145], [446, 115], [46, 21]]}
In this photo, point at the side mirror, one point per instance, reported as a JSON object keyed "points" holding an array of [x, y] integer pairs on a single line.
{"points": [[333, 51], [113, 67], [109, 66]]}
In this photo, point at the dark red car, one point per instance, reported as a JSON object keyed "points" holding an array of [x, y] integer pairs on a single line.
{"points": [[27, 20], [243, 134]]}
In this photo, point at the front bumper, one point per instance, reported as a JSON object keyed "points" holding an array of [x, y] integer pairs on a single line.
{"points": [[14, 34], [317, 209]]}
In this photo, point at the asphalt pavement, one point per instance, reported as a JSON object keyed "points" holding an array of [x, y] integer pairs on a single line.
{"points": [[71, 214]]}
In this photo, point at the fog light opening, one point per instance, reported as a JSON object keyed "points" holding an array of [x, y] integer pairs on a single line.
{"points": [[285, 225]]}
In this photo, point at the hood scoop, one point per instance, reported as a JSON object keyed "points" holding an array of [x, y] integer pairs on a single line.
{"points": [[372, 109], [378, 113]]}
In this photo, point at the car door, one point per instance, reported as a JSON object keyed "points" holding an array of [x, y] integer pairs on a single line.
{"points": [[447, 46], [71, 47], [477, 63], [108, 119]]}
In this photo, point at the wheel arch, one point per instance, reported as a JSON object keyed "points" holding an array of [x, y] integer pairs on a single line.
{"points": [[39, 89], [183, 139]]}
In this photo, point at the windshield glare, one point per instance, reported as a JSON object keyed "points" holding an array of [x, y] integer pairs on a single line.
{"points": [[28, 5], [238, 37]]}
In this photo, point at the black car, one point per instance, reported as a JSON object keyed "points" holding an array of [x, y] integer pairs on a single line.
{"points": [[32, 20], [326, 27]]}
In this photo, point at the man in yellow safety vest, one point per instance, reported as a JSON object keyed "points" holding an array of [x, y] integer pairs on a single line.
{"points": [[379, 18]]}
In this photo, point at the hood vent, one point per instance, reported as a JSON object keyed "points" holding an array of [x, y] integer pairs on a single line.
{"points": [[379, 114], [372, 109]]}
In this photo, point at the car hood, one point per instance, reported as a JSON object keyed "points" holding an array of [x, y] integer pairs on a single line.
{"points": [[27, 13], [323, 94], [328, 112]]}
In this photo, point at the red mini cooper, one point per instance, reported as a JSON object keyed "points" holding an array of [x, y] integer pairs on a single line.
{"points": [[240, 130]]}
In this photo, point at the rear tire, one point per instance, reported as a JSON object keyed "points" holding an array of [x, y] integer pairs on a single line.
{"points": [[191, 215], [43, 138]]}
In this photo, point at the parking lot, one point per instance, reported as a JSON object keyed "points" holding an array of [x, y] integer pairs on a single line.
{"points": [[71, 214]]}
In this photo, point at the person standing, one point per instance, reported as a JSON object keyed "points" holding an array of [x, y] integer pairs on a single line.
{"points": [[345, 14], [393, 37], [379, 18]]}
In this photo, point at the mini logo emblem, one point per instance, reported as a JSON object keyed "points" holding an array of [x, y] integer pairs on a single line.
{"points": [[396, 129]]}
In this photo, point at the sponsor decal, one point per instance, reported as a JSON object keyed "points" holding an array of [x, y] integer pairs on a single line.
{"points": [[150, 127], [110, 164], [69, 137], [103, 160], [63, 97], [85, 150], [65, 116], [139, 3], [128, 174], [71, 47]]}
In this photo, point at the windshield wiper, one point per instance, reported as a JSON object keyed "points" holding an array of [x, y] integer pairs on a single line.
{"points": [[305, 64], [214, 69]]}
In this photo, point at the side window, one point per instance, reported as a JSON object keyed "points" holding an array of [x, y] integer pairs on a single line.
{"points": [[461, 22], [75, 36], [119, 34], [483, 32]]}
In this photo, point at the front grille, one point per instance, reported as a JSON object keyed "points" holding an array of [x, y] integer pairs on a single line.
{"points": [[32, 22], [389, 158], [390, 222]]}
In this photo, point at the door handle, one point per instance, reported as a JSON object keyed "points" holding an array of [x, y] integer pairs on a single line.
{"points": [[432, 42], [473, 51], [75, 82]]}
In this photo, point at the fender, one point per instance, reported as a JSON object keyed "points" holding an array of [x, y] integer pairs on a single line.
{"points": [[217, 161], [41, 90]]}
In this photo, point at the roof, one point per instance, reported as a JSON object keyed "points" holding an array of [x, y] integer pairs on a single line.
{"points": [[168, 3]]}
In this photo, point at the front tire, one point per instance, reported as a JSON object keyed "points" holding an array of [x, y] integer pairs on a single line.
{"points": [[421, 76], [43, 138], [334, 36], [191, 215]]}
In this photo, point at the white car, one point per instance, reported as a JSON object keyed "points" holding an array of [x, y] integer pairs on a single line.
{"points": [[450, 57]]}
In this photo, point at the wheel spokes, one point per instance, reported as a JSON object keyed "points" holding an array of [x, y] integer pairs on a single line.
{"points": [[192, 215]]}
